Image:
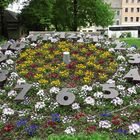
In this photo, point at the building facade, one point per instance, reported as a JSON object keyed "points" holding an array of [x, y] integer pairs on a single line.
{"points": [[127, 18]]}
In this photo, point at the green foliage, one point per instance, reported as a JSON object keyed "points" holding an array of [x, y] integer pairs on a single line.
{"points": [[132, 41], [5, 3], [37, 15], [66, 15], [94, 136]]}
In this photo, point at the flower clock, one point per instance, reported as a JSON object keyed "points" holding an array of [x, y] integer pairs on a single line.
{"points": [[41, 94]]}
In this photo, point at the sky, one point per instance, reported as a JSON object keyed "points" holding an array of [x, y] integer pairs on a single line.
{"points": [[16, 6]]}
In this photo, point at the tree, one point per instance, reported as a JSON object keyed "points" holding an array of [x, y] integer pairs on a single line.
{"points": [[3, 5], [37, 14], [67, 14]]}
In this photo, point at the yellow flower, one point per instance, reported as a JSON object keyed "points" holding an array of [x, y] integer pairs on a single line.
{"points": [[43, 81], [89, 73], [64, 73], [103, 77], [41, 69], [79, 72], [87, 79], [38, 76], [55, 83], [81, 66], [92, 47]]}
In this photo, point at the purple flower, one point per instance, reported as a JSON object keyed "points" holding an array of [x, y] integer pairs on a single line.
{"points": [[106, 114], [121, 131], [21, 123], [31, 130], [55, 117]]}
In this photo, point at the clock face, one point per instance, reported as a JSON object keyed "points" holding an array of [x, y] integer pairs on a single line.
{"points": [[71, 84]]}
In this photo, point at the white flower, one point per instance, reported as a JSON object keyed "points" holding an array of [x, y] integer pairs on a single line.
{"points": [[8, 111], [91, 118], [75, 106], [2, 92], [98, 94], [54, 90], [33, 44], [8, 52], [117, 101], [131, 49], [134, 128], [105, 124], [9, 61], [107, 43], [121, 58], [70, 130], [53, 105], [121, 69], [110, 81], [120, 87], [40, 93], [13, 75], [12, 93], [89, 100], [39, 105], [66, 119], [21, 81], [86, 88], [97, 44], [111, 50], [36, 85], [132, 90]]}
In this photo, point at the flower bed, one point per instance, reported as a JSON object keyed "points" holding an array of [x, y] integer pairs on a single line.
{"points": [[103, 99]]}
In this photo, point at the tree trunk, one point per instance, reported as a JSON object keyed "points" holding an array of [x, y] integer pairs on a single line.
{"points": [[4, 31], [74, 15]]}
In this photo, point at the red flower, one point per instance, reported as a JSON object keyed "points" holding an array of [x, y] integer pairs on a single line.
{"points": [[91, 129], [8, 127], [89, 53], [101, 61], [50, 124], [71, 85], [75, 78], [79, 115], [34, 65], [29, 75], [53, 75], [74, 52], [116, 120], [71, 65]]}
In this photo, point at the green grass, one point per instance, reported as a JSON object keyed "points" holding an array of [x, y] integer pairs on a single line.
{"points": [[131, 41], [94, 136]]}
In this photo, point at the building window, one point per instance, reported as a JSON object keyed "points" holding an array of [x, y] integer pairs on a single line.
{"points": [[89, 30], [126, 1], [138, 9], [126, 19], [126, 9], [137, 19], [131, 19], [117, 22], [132, 9], [132, 1], [118, 13]]}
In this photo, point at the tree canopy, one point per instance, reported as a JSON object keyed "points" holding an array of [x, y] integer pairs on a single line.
{"points": [[66, 14]]}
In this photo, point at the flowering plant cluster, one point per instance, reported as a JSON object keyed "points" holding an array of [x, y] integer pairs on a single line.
{"points": [[44, 64], [39, 114]]}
